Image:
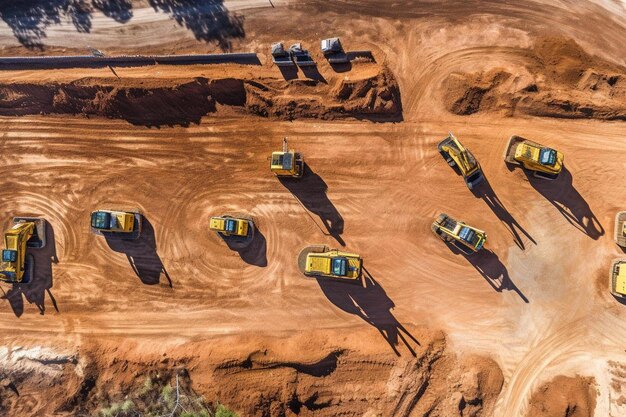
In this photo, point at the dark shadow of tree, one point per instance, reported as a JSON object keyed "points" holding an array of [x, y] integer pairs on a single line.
{"points": [[311, 192], [142, 255], [118, 10], [28, 19], [208, 20], [371, 303], [40, 283]]}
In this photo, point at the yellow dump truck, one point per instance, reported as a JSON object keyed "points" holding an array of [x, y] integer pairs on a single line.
{"points": [[467, 238], [457, 155], [617, 278], [544, 162], [287, 163], [17, 265], [229, 226], [116, 223], [319, 261]]}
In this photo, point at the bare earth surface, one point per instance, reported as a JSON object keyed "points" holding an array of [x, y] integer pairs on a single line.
{"points": [[431, 332]]}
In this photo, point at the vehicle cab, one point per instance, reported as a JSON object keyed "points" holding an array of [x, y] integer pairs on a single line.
{"points": [[229, 226], [539, 158], [113, 221], [334, 264]]}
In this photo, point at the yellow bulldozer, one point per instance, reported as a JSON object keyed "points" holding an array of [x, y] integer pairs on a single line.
{"points": [[287, 163], [457, 155], [543, 162], [320, 261], [466, 238], [117, 223], [230, 226], [17, 264]]}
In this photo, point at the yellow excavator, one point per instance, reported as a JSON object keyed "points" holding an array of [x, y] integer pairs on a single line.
{"points": [[230, 226], [17, 264], [287, 163], [544, 162], [467, 238], [457, 155], [116, 223]]}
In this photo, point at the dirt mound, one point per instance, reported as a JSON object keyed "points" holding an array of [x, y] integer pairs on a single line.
{"points": [[558, 80], [564, 397], [260, 376], [181, 102]]}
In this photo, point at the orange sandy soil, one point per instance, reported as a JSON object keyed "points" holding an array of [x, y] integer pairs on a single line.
{"points": [[485, 332]]}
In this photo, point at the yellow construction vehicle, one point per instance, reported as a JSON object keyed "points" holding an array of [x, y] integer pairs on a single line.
{"points": [[287, 163], [617, 278], [620, 229], [457, 155], [320, 261], [544, 162], [17, 265], [230, 226], [468, 239], [116, 223]]}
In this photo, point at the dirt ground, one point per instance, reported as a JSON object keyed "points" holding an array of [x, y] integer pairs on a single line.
{"points": [[487, 332]]}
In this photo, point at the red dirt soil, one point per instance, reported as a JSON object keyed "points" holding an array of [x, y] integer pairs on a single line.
{"points": [[564, 397], [431, 332]]}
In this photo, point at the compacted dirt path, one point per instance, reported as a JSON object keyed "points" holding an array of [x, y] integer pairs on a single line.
{"points": [[535, 300]]}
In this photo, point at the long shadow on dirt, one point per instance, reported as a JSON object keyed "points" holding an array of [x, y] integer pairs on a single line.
{"points": [[40, 283], [491, 269], [142, 255], [488, 195], [208, 20], [255, 253], [310, 191], [371, 303], [568, 201]]}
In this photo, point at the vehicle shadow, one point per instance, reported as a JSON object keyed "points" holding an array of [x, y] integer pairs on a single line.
{"points": [[40, 283], [142, 255], [310, 191], [312, 72], [289, 73], [488, 195], [371, 303], [253, 254], [487, 263], [562, 194]]}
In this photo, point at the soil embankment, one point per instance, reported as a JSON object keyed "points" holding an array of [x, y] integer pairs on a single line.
{"points": [[564, 397], [559, 80], [259, 377], [184, 101]]}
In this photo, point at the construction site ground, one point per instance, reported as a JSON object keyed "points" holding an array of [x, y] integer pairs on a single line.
{"points": [[535, 301]]}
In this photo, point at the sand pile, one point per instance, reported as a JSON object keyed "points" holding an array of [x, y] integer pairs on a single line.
{"points": [[185, 101], [559, 80], [261, 376], [564, 397]]}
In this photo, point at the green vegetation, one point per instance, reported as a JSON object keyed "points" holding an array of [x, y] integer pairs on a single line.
{"points": [[164, 395]]}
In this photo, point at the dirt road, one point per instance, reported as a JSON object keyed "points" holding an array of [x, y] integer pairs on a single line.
{"points": [[535, 300]]}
